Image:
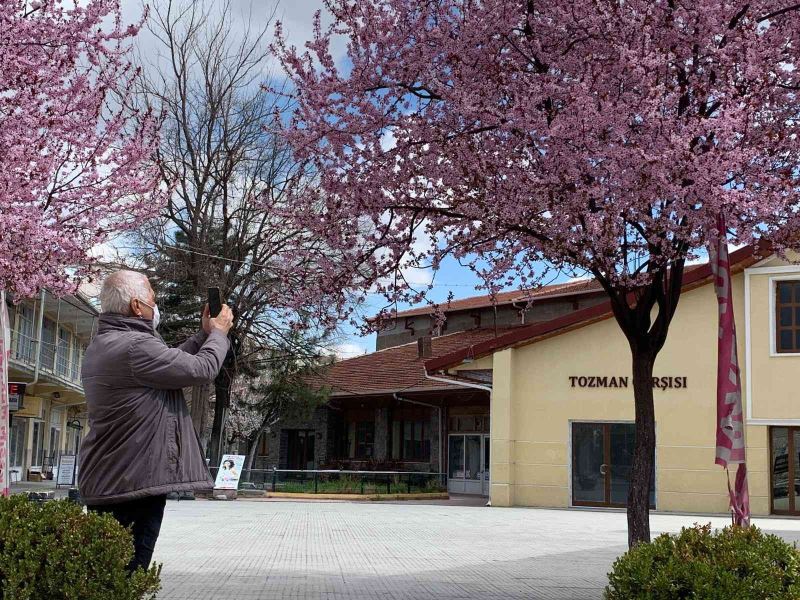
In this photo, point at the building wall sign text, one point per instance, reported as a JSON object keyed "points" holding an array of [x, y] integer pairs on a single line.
{"points": [[593, 381]]}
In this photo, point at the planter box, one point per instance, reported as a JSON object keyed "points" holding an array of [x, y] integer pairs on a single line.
{"points": [[370, 497]]}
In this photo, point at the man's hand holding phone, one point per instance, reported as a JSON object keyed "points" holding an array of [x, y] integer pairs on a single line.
{"points": [[222, 322], [215, 314]]}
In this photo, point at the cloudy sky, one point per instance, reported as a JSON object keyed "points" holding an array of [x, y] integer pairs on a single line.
{"points": [[297, 17]]}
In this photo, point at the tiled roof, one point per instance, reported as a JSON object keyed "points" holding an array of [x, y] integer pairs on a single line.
{"points": [[694, 276], [395, 369], [575, 287], [579, 286], [399, 368]]}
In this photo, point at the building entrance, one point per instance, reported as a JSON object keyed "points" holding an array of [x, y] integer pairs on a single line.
{"points": [[468, 471], [300, 451], [602, 456], [17, 448]]}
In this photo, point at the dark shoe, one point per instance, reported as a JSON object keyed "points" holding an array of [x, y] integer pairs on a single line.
{"points": [[173, 496]]}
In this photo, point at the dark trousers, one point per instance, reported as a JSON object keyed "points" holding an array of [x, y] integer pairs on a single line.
{"points": [[143, 516]]}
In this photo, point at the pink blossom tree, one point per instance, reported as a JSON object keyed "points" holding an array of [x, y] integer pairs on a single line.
{"points": [[74, 164], [603, 137]]}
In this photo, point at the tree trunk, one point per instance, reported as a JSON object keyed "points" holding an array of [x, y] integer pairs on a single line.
{"points": [[222, 387], [251, 452], [641, 480], [267, 423]]}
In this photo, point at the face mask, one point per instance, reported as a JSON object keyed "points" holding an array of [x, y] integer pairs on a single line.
{"points": [[156, 314]]}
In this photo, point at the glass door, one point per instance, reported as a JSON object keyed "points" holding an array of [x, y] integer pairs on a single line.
{"points": [[468, 464], [784, 475], [621, 443], [589, 467], [37, 457], [473, 471], [17, 447], [455, 464], [602, 456], [54, 447]]}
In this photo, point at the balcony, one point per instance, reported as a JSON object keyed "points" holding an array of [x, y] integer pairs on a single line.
{"points": [[59, 329]]}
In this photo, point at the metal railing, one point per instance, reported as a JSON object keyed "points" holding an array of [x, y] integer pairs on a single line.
{"points": [[55, 359], [24, 349], [340, 481]]}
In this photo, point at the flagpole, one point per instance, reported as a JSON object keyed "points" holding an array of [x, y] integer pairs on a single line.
{"points": [[731, 445]]}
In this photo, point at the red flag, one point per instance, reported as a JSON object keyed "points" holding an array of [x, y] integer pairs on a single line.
{"points": [[730, 419]]}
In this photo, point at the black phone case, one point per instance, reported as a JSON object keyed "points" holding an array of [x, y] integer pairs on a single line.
{"points": [[214, 302]]}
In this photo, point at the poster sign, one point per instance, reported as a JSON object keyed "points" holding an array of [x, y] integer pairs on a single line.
{"points": [[230, 469], [66, 470], [5, 355], [16, 395]]}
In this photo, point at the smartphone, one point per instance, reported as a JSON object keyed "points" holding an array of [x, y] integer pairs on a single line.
{"points": [[214, 301]]}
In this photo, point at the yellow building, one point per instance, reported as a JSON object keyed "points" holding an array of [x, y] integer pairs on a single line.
{"points": [[561, 400], [48, 339]]}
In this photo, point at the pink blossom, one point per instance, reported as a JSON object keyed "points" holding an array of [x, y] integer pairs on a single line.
{"points": [[74, 166], [599, 136]]}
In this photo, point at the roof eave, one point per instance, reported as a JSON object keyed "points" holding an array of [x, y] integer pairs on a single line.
{"points": [[392, 391], [416, 312], [739, 260]]}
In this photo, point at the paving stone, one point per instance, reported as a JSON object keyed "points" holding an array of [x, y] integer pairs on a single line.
{"points": [[264, 550]]}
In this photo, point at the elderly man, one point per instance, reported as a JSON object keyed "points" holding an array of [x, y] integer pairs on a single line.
{"points": [[141, 443]]}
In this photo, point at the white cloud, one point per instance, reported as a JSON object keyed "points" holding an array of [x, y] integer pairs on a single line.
{"points": [[388, 140], [113, 250], [703, 258], [418, 276], [421, 244], [296, 16], [347, 350], [576, 279]]}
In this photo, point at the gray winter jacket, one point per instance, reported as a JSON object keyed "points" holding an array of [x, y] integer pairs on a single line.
{"points": [[141, 440]]}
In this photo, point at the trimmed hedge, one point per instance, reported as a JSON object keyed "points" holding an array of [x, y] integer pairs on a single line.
{"points": [[736, 562], [53, 550]]}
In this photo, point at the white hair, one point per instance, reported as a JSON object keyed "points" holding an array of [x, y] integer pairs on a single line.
{"points": [[120, 288]]}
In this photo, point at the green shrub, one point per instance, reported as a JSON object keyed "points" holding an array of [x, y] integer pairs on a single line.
{"points": [[434, 486], [53, 550], [737, 562]]}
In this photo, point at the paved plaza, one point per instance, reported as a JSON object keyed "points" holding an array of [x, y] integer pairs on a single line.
{"points": [[341, 551]]}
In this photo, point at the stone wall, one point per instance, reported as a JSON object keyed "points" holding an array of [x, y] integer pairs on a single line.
{"points": [[278, 436]]}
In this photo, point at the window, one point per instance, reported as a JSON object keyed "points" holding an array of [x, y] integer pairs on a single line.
{"points": [[38, 443], [479, 423], [24, 331], [17, 441], [77, 355], [411, 440], [787, 317], [12, 322], [62, 352], [48, 352], [54, 449], [785, 488], [361, 439]]}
